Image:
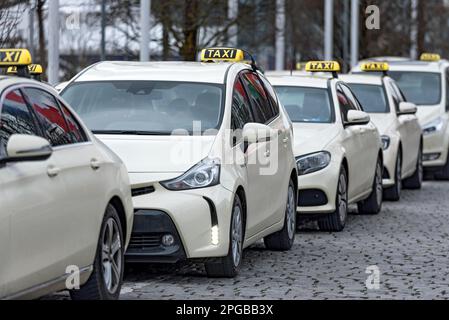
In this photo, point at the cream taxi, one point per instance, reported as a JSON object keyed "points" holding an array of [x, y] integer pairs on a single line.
{"points": [[426, 84], [209, 150], [396, 120], [66, 209], [338, 149]]}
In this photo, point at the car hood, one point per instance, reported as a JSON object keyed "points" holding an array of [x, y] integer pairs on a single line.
{"points": [[155, 158], [313, 137], [383, 121], [427, 114]]}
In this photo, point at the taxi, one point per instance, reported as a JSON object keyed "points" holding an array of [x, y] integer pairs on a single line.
{"points": [[426, 84], [66, 204], [35, 71], [209, 151], [396, 120], [337, 148]]}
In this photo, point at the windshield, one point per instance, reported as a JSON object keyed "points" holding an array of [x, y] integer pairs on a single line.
{"points": [[146, 107], [306, 104], [421, 88], [371, 97]]}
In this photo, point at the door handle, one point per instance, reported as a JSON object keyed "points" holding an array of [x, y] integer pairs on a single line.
{"points": [[53, 172], [95, 164]]}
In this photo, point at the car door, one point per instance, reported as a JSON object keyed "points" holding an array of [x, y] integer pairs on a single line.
{"points": [[28, 207], [262, 167], [369, 153], [80, 168]]}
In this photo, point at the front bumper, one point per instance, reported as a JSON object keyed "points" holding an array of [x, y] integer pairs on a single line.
{"points": [[435, 150], [199, 220], [390, 157], [318, 191]]}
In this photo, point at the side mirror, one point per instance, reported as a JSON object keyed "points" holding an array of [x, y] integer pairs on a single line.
{"points": [[407, 108], [357, 118], [27, 148], [256, 132]]}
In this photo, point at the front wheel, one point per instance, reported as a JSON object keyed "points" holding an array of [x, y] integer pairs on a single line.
{"points": [[283, 240], [415, 181], [394, 193], [373, 204], [227, 267], [106, 279], [336, 221]]}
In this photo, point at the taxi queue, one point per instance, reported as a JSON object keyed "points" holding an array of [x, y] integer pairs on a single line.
{"points": [[176, 161]]}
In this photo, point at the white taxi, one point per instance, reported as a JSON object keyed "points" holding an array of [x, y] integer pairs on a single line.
{"points": [[66, 209], [426, 84], [209, 151], [338, 149], [397, 122]]}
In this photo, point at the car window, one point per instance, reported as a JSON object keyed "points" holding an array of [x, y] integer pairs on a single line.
{"points": [[76, 131], [241, 112], [447, 89], [52, 121], [272, 98], [372, 97], [311, 105], [396, 98], [344, 103], [15, 118], [260, 105], [421, 88], [354, 103]]}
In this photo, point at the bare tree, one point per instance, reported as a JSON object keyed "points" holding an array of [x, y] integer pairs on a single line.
{"points": [[11, 12]]}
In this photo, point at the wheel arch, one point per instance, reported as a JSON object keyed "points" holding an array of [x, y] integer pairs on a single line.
{"points": [[118, 205], [242, 195]]}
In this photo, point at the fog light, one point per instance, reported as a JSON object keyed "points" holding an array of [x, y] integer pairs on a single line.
{"points": [[214, 233], [431, 156], [168, 240]]}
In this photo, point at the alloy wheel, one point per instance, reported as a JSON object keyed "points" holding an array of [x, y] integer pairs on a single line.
{"points": [[342, 199], [291, 213], [237, 233], [111, 257]]}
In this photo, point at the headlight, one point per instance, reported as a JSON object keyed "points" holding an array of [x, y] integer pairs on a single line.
{"points": [[433, 127], [385, 142], [313, 162], [204, 174]]}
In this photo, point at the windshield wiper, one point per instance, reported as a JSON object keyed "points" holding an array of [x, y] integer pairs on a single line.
{"points": [[131, 132]]}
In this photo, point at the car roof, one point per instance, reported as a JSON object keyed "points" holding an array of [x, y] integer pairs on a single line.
{"points": [[412, 65], [158, 71], [362, 78], [300, 81], [7, 81]]}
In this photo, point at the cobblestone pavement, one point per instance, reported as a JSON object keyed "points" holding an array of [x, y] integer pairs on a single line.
{"points": [[408, 241]]}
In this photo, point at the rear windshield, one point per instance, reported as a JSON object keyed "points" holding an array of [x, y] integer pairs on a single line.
{"points": [[371, 97], [306, 104], [146, 107], [421, 88]]}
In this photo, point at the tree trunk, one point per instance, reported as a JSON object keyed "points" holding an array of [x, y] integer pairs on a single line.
{"points": [[190, 32], [421, 26], [166, 22], [40, 21]]}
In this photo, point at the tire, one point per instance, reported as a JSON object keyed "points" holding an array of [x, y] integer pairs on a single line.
{"points": [[105, 281], [415, 181], [443, 174], [336, 221], [394, 193], [373, 204], [228, 267], [283, 240]]}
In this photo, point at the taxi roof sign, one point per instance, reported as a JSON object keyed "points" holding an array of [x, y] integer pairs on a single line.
{"points": [[430, 57], [15, 57], [323, 66], [222, 54], [375, 67], [33, 69]]}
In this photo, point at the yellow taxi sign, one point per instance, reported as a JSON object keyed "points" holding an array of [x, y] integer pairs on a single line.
{"points": [[33, 69], [15, 57], [323, 66], [375, 67], [431, 57], [222, 54]]}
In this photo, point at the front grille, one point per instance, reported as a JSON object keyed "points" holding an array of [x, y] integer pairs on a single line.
{"points": [[145, 241]]}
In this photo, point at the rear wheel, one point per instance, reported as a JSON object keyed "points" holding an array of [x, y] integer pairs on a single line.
{"points": [[373, 204], [283, 240], [415, 181], [106, 280], [336, 221], [227, 267], [394, 193]]}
